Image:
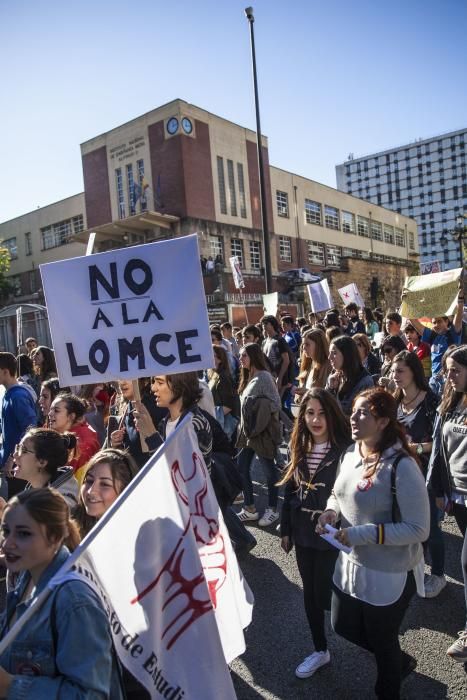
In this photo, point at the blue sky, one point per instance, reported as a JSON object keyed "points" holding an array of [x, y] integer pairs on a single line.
{"points": [[335, 77]]}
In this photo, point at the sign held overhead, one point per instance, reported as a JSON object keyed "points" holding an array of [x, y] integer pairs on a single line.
{"points": [[128, 313]]}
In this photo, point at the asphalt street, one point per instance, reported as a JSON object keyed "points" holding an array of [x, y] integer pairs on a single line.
{"points": [[278, 638]]}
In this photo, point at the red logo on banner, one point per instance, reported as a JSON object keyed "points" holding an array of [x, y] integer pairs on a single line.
{"points": [[203, 519]]}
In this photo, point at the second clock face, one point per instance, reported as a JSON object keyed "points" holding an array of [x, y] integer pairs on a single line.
{"points": [[187, 125], [172, 125]]}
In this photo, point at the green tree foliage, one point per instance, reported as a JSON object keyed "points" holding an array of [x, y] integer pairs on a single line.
{"points": [[5, 286]]}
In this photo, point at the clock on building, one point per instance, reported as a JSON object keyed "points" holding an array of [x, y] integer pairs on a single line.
{"points": [[172, 125], [187, 125]]}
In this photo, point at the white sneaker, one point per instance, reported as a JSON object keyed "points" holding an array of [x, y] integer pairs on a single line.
{"points": [[246, 515], [312, 663], [434, 585], [269, 517]]}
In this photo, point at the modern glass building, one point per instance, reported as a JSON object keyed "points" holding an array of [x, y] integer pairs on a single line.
{"points": [[426, 180]]}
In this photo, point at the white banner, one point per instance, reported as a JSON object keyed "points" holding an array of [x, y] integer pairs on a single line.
{"points": [[320, 296], [350, 294], [271, 303], [128, 313], [166, 573], [237, 272]]}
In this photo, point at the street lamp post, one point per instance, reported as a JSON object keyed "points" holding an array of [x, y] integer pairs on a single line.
{"points": [[262, 186], [459, 234]]}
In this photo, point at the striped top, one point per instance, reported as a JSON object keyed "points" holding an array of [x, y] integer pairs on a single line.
{"points": [[314, 458]]}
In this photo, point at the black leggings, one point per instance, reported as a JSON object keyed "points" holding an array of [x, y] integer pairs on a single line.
{"points": [[316, 568], [460, 514], [375, 628]]}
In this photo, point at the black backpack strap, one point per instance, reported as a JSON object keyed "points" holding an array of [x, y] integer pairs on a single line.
{"points": [[395, 512]]}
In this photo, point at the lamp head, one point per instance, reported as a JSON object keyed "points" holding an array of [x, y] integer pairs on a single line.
{"points": [[249, 14]]}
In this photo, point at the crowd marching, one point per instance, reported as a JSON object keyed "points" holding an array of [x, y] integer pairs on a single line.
{"points": [[359, 424]]}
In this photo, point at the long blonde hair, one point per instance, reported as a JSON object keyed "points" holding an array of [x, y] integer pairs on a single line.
{"points": [[319, 367]]}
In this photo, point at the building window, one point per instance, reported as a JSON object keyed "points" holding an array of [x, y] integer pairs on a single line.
{"points": [[312, 212], [333, 255], [255, 255], [315, 253], [348, 222], [237, 249], [59, 233], [399, 237], [28, 243], [120, 193], [376, 230], [389, 234], [140, 169], [241, 190], [15, 282], [285, 248], [233, 197], [221, 181], [130, 188], [10, 245], [331, 217], [216, 246], [411, 241], [282, 199], [32, 281], [363, 226]]}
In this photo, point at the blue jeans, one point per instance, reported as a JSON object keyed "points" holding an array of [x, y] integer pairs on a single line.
{"points": [[245, 458]]}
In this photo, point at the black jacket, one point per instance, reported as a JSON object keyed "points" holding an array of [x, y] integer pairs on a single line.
{"points": [[302, 506]]}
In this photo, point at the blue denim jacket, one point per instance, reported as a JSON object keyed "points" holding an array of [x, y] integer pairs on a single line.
{"points": [[65, 650]]}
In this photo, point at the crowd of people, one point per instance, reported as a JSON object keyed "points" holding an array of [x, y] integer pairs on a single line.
{"points": [[358, 422]]}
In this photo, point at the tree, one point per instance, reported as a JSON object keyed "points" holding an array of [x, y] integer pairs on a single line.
{"points": [[5, 286]]}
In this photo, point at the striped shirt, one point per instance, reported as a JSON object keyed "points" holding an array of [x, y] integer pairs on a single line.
{"points": [[315, 457]]}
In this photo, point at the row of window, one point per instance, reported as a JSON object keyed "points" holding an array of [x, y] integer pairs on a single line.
{"points": [[344, 220], [130, 190], [59, 233], [329, 255], [237, 248], [449, 143], [228, 197]]}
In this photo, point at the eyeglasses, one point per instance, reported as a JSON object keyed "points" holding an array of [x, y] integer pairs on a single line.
{"points": [[21, 449]]}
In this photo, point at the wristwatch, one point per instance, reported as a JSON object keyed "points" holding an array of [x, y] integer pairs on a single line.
{"points": [[419, 449]]}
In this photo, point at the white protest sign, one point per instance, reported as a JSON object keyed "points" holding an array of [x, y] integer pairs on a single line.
{"points": [[350, 294], [320, 296], [237, 272], [128, 313], [271, 303]]}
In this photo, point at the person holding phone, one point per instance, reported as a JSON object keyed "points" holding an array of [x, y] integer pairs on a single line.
{"points": [[320, 435], [375, 582]]}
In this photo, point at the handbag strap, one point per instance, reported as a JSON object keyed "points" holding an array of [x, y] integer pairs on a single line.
{"points": [[395, 512]]}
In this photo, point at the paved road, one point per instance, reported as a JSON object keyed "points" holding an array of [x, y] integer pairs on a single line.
{"points": [[278, 638]]}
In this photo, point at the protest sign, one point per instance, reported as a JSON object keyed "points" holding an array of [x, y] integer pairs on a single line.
{"points": [[271, 303], [428, 268], [128, 313], [174, 595], [320, 296], [350, 294], [237, 272], [431, 295]]}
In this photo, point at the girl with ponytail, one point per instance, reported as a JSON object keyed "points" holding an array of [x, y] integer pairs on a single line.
{"points": [[320, 435], [41, 459], [65, 649], [381, 501]]}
